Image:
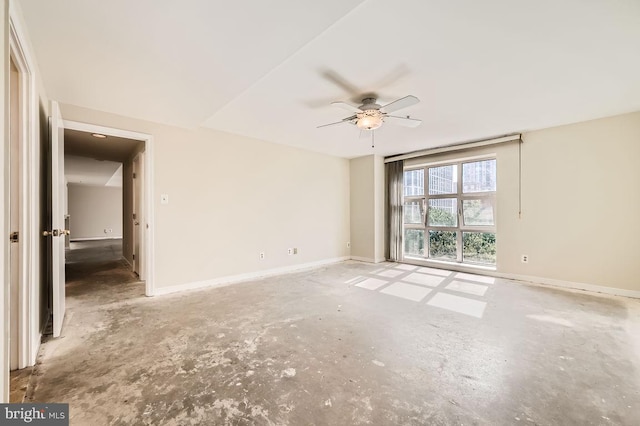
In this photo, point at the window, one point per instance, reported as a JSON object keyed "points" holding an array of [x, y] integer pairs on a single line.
{"points": [[454, 219]]}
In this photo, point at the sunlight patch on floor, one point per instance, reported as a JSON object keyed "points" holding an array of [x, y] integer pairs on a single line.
{"points": [[433, 287], [462, 305], [371, 283], [406, 291]]}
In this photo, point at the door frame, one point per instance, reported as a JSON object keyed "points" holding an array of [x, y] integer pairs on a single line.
{"points": [[16, 46], [147, 242], [29, 274]]}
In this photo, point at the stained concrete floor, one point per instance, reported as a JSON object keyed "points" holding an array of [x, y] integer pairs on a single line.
{"points": [[345, 344]]}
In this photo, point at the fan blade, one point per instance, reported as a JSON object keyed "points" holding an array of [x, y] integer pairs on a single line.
{"points": [[400, 103], [348, 107], [345, 120], [402, 121]]}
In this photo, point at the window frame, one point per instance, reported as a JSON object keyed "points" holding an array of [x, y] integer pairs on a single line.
{"points": [[488, 197]]}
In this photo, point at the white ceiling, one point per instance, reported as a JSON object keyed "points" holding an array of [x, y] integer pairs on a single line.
{"points": [[88, 171], [269, 69]]}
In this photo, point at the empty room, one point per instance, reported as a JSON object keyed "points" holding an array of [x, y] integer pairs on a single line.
{"points": [[344, 212]]}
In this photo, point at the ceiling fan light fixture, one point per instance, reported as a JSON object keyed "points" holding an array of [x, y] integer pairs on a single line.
{"points": [[369, 119]]}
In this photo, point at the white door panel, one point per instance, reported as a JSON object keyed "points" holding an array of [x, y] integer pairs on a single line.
{"points": [[58, 231]]}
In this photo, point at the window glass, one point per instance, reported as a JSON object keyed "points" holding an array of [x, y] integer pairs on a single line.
{"points": [[413, 211], [443, 212], [443, 245], [414, 242], [479, 247], [459, 224], [479, 176], [414, 182], [478, 212], [443, 180]]}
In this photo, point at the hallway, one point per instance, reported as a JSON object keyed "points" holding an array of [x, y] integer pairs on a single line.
{"points": [[96, 273]]}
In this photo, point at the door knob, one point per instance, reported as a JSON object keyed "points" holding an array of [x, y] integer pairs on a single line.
{"points": [[47, 233]]}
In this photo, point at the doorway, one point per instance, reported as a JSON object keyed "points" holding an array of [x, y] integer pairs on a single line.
{"points": [[112, 144], [102, 177]]}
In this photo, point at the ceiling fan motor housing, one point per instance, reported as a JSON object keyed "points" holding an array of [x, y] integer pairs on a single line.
{"points": [[369, 103]]}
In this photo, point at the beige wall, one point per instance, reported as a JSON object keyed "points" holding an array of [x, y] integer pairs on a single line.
{"points": [[232, 197], [379, 202], [580, 203], [362, 211], [367, 208], [92, 209]]}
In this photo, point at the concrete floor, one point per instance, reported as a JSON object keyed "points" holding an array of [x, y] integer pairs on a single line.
{"points": [[346, 344]]}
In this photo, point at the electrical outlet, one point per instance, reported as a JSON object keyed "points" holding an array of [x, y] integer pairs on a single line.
{"points": [[295, 250], [348, 244], [262, 255], [524, 258], [290, 251]]}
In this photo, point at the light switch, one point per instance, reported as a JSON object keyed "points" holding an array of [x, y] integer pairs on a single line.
{"points": [[164, 199]]}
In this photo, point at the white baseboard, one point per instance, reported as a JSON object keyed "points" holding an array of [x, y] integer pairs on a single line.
{"points": [[94, 239], [480, 270], [234, 279], [367, 259], [614, 291], [363, 259]]}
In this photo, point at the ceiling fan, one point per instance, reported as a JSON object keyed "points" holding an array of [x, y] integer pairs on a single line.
{"points": [[370, 115]]}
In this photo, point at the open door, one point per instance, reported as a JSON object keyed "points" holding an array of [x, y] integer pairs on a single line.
{"points": [[56, 234], [136, 214]]}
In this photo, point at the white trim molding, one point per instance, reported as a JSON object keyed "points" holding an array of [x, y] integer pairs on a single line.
{"points": [[592, 288], [29, 289], [4, 212], [490, 272], [367, 259], [455, 147], [235, 279]]}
